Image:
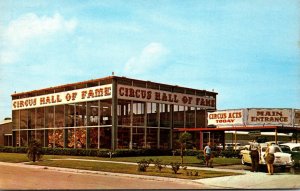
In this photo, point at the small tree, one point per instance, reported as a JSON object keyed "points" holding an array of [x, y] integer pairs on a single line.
{"points": [[34, 151], [183, 139]]}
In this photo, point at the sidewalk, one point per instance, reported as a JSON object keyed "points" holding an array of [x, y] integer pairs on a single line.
{"points": [[248, 180]]}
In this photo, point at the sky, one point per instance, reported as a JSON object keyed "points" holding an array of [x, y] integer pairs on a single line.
{"points": [[245, 50]]}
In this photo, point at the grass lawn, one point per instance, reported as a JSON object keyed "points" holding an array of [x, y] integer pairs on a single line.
{"points": [[131, 169], [124, 168]]}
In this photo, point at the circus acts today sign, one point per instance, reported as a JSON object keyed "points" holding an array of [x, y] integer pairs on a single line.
{"points": [[226, 118]]}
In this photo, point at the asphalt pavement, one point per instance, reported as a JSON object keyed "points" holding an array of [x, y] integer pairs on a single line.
{"points": [[248, 180]]}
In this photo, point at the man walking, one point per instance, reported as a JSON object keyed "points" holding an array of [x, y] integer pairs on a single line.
{"points": [[254, 153]]}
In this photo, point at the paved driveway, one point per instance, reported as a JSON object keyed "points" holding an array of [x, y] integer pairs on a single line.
{"points": [[20, 176]]}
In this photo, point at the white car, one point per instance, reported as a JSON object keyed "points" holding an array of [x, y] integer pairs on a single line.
{"points": [[290, 147], [281, 158]]}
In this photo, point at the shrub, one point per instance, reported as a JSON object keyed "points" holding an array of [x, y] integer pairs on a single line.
{"points": [[34, 151], [175, 167], [158, 164], [143, 165]]}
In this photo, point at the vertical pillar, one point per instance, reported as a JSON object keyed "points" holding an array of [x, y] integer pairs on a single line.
{"points": [[158, 124], [145, 124], [114, 130], [131, 124], [171, 125], [276, 136]]}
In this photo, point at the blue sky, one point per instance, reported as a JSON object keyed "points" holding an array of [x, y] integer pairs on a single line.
{"points": [[247, 51]]}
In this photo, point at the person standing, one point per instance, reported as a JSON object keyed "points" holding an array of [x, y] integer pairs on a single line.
{"points": [[270, 157], [208, 155], [254, 154]]}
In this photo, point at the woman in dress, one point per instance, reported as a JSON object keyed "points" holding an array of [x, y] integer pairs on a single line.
{"points": [[270, 158]]}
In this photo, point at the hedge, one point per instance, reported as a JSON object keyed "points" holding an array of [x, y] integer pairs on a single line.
{"points": [[91, 152]]}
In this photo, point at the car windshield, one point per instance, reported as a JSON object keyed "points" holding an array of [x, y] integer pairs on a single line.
{"points": [[285, 148], [296, 149]]}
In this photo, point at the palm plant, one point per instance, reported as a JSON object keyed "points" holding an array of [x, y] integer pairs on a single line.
{"points": [[34, 151]]}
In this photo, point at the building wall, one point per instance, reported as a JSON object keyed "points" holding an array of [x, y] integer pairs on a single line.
{"points": [[5, 128]]}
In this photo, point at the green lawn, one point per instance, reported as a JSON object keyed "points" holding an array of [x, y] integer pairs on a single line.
{"points": [[124, 168]]}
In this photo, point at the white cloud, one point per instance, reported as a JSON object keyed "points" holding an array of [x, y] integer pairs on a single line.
{"points": [[149, 58], [28, 27]]}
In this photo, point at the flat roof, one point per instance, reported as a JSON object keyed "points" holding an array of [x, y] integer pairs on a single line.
{"points": [[107, 78]]}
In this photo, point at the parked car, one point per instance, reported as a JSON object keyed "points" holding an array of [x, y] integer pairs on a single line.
{"points": [[281, 159], [233, 146], [290, 147]]}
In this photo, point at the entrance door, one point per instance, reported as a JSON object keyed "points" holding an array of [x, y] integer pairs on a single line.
{"points": [[204, 139]]}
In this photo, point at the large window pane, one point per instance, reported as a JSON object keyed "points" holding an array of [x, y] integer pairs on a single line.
{"points": [[69, 115], [50, 141], [105, 112], [152, 114], [71, 141], [123, 137], [16, 117], [164, 138], [80, 137], [152, 138], [59, 116], [40, 137], [105, 138], [190, 117], [165, 115], [200, 118], [138, 113], [92, 113], [178, 116], [93, 138], [124, 112], [40, 117], [81, 119], [138, 140], [23, 138], [24, 119], [59, 138], [49, 113], [31, 118]]}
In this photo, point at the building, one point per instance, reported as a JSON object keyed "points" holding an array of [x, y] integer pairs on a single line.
{"points": [[6, 132], [112, 112]]}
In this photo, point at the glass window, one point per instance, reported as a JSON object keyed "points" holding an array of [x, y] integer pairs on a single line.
{"points": [[190, 117], [17, 138], [81, 119], [59, 116], [80, 137], [31, 118], [123, 137], [92, 113], [49, 117], [16, 119], [23, 138], [50, 141], [105, 112], [105, 137], [152, 138], [93, 137], [40, 117], [152, 114], [69, 115], [23, 119], [40, 137], [138, 113], [71, 141], [138, 139], [200, 118], [165, 114], [164, 138], [124, 112], [178, 116], [59, 138]]}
